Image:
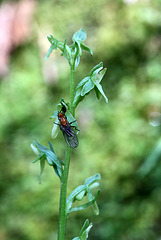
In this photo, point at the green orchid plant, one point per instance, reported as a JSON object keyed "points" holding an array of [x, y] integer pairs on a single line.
{"points": [[64, 119]]}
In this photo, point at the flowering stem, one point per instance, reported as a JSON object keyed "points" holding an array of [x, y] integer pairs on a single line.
{"points": [[63, 193], [64, 178]]}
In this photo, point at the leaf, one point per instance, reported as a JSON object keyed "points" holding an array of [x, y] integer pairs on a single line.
{"points": [[88, 86], [79, 36]]}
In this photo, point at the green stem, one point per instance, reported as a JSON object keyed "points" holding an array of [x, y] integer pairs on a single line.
{"points": [[64, 178], [63, 193], [72, 88]]}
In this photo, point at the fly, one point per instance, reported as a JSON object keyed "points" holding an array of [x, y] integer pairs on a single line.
{"points": [[68, 131]]}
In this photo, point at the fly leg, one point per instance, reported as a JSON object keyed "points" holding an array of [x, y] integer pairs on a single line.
{"points": [[57, 123], [74, 126]]}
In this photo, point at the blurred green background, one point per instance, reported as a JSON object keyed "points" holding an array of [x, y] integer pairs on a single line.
{"points": [[118, 139]]}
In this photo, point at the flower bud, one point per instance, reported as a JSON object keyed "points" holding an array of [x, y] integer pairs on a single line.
{"points": [[55, 129], [35, 150]]}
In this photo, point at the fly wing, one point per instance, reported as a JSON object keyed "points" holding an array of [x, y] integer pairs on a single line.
{"points": [[70, 137]]}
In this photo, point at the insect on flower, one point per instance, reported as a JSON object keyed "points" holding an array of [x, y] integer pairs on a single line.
{"points": [[67, 130]]}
